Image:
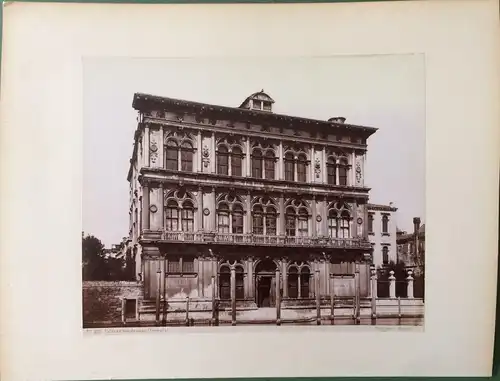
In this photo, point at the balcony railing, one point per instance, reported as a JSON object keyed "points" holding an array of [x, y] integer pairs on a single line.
{"points": [[264, 240]]}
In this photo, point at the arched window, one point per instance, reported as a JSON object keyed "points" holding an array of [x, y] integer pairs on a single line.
{"points": [[385, 224], [290, 222], [333, 230], [172, 156], [303, 220], [223, 219], [270, 221], [258, 220], [305, 276], [269, 165], [385, 255], [237, 220], [186, 157], [370, 223], [187, 217], [240, 283], [302, 168], [257, 164], [236, 160], [225, 283], [343, 171], [172, 216], [293, 283], [222, 160], [344, 224], [331, 170], [289, 167]]}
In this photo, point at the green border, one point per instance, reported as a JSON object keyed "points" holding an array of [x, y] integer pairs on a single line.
{"points": [[496, 354]]}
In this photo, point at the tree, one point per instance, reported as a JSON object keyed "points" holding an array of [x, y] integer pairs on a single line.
{"points": [[93, 259]]}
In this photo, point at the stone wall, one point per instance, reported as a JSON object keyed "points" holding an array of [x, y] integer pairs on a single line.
{"points": [[103, 301]]}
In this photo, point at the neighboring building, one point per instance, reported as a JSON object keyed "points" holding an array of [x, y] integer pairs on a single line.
{"points": [[255, 199], [411, 247], [382, 233]]}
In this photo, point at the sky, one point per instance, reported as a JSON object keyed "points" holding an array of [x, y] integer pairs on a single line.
{"points": [[382, 91]]}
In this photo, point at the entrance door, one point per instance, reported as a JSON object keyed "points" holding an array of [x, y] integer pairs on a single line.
{"points": [[264, 291]]}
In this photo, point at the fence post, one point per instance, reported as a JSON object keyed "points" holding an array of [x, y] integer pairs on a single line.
{"points": [[158, 294], [357, 297], [214, 305], [410, 284], [392, 285], [187, 311], [399, 310], [123, 311], [318, 298], [374, 291], [233, 295], [278, 298]]}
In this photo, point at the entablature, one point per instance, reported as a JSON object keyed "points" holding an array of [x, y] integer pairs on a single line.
{"points": [[211, 180]]}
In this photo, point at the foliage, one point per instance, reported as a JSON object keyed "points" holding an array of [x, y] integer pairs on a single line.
{"points": [[96, 265]]}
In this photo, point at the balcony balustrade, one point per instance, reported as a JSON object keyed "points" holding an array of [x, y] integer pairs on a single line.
{"points": [[259, 240]]}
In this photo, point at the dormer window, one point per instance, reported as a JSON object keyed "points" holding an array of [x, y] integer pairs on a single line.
{"points": [[257, 105], [258, 101]]}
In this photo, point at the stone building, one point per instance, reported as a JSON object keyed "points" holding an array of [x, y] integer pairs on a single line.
{"points": [[382, 232], [411, 247], [261, 204]]}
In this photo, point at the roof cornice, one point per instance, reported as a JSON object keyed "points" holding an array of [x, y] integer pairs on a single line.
{"points": [[147, 102]]}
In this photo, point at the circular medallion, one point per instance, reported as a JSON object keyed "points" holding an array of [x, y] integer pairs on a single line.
{"points": [[153, 208], [318, 218], [153, 148], [206, 211], [360, 220]]}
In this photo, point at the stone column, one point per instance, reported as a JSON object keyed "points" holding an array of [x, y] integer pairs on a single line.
{"points": [[373, 290], [313, 217], [233, 295], [278, 297], [145, 206], [311, 165], [409, 279], [284, 265], [213, 211], [158, 293], [199, 153], [318, 297], [213, 148], [248, 224], [248, 160], [281, 172], [199, 211], [161, 206], [146, 146], [161, 149], [281, 220], [392, 285], [250, 281], [324, 178], [354, 230], [352, 172]]}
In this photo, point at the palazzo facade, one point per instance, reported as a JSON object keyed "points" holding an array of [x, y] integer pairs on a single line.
{"points": [[256, 203]]}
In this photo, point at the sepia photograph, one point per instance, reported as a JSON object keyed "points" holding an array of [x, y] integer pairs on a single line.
{"points": [[238, 192]]}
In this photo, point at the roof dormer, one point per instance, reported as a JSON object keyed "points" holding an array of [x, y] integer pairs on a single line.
{"points": [[259, 101]]}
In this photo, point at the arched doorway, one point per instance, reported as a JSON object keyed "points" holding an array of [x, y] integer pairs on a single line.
{"points": [[265, 283]]}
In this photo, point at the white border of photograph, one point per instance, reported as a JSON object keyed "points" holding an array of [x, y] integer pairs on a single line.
{"points": [[41, 171]]}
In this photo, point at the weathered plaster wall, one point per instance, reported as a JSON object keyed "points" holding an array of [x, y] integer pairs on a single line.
{"points": [[102, 301]]}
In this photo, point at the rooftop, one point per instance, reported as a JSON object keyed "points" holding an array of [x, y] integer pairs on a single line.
{"points": [[147, 102]]}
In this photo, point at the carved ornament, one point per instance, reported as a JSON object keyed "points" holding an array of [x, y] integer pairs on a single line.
{"points": [[205, 156]]}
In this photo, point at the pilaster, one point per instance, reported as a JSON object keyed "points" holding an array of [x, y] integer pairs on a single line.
{"points": [[313, 217], [145, 206], [199, 212], [146, 146], [281, 172], [281, 219], [213, 147], [248, 146], [248, 215]]}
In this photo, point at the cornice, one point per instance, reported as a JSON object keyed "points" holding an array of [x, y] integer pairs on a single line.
{"points": [[147, 102], [162, 175]]}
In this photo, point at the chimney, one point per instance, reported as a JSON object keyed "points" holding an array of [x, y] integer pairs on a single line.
{"points": [[416, 224], [416, 228]]}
